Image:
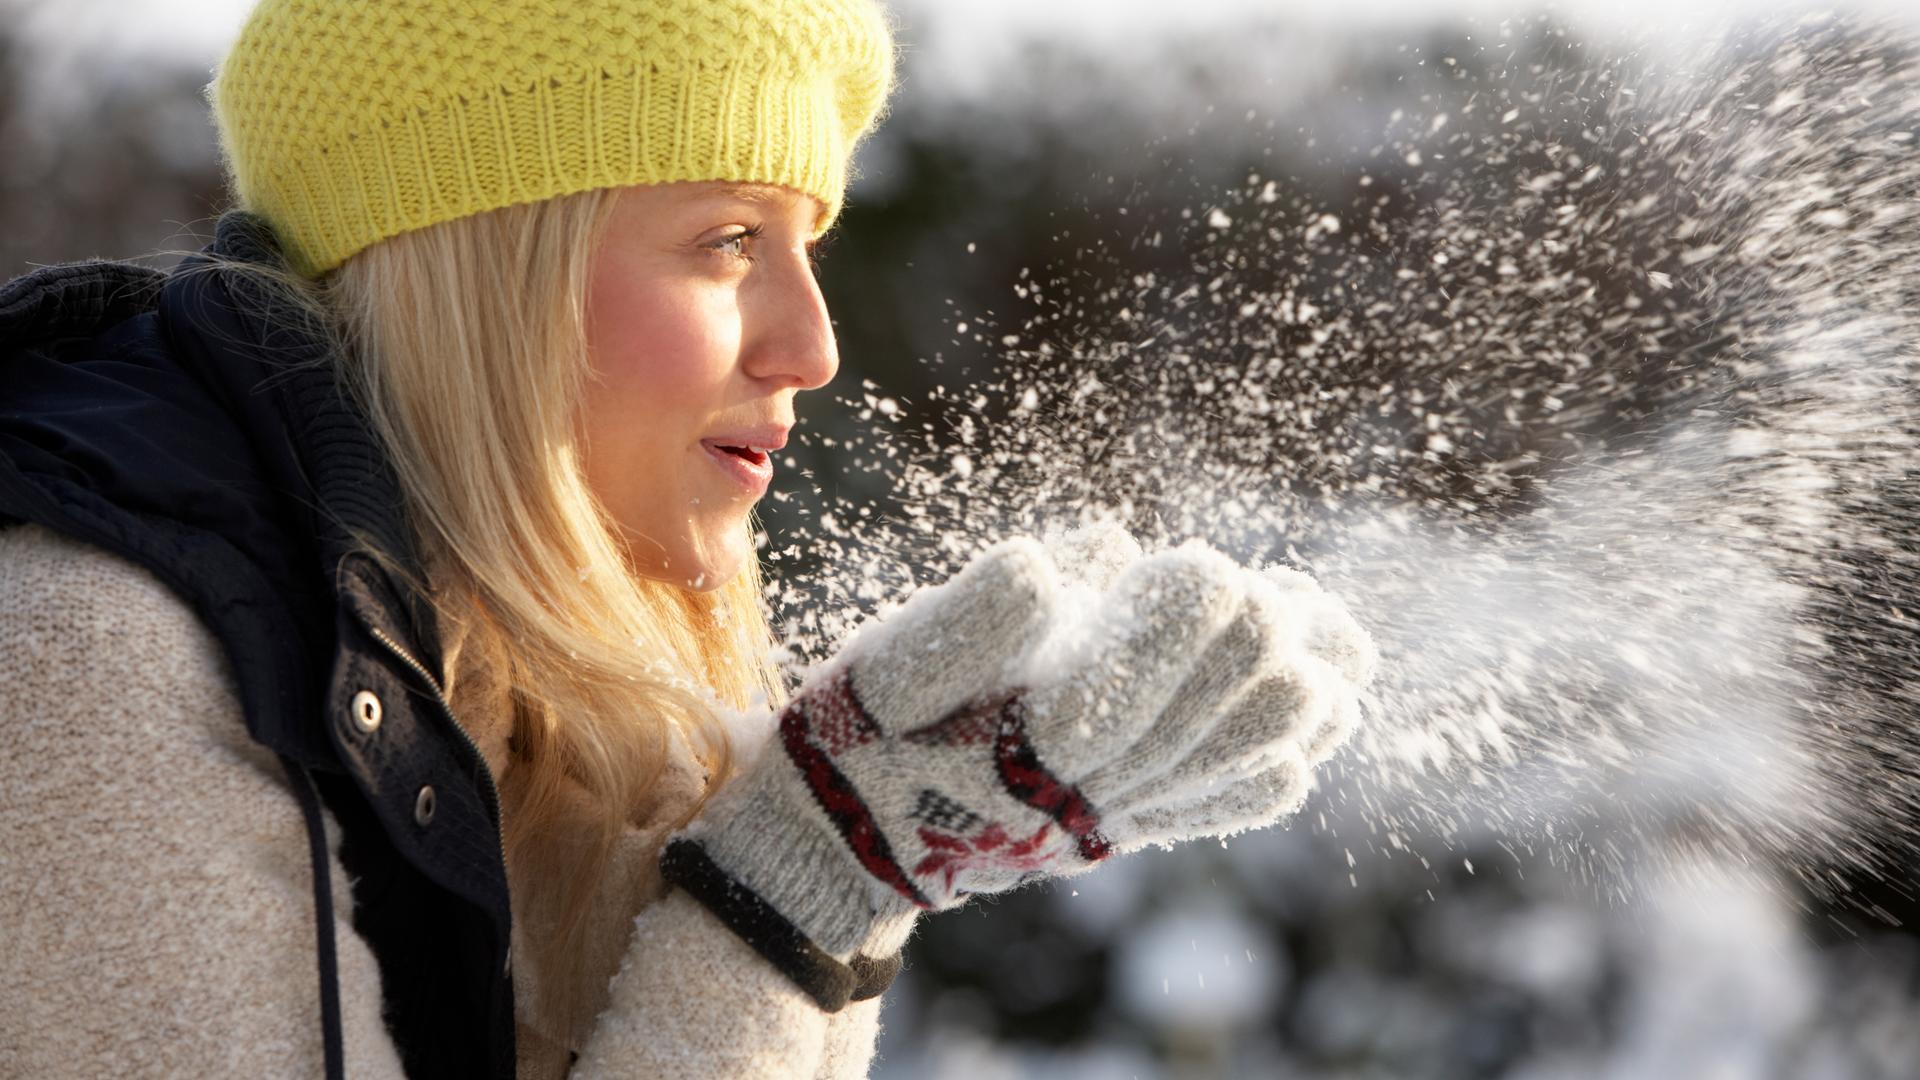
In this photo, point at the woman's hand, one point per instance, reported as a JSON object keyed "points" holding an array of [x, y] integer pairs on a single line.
{"points": [[1019, 722]]}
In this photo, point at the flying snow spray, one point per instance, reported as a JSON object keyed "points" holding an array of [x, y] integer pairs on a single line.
{"points": [[1596, 403]]}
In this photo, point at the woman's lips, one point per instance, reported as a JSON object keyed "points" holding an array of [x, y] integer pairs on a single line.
{"points": [[751, 469]]}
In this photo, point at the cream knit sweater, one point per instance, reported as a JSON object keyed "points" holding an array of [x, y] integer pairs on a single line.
{"points": [[156, 914]]}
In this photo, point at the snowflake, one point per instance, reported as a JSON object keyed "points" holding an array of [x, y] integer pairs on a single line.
{"points": [[990, 849]]}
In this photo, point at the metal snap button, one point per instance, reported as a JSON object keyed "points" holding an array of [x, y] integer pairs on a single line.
{"points": [[423, 806], [366, 711]]}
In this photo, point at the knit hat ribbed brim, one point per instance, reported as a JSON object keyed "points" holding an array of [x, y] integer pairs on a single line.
{"points": [[345, 122]]}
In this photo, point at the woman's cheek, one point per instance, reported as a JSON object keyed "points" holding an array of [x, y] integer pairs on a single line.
{"points": [[680, 370]]}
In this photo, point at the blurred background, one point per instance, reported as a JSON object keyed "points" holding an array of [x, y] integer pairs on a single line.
{"points": [[1024, 133]]}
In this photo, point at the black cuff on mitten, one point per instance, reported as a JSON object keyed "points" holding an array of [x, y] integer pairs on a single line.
{"points": [[812, 969]]}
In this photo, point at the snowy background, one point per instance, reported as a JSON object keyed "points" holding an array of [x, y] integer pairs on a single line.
{"points": [[1338, 948]]}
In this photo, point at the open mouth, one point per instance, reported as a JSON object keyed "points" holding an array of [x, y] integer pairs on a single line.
{"points": [[744, 453], [750, 466]]}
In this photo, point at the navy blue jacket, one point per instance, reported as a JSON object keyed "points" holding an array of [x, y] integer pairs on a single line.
{"points": [[187, 422]]}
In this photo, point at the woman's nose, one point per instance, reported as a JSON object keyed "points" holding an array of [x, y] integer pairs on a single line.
{"points": [[794, 344]]}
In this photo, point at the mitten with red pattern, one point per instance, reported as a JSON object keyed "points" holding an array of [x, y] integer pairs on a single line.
{"points": [[1025, 719]]}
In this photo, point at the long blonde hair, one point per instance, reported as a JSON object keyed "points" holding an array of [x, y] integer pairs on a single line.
{"points": [[465, 345]]}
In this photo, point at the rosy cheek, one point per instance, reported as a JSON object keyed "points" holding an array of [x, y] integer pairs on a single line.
{"points": [[630, 346], [663, 356]]}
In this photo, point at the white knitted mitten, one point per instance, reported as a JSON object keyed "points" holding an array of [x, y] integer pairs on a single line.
{"points": [[1020, 722]]}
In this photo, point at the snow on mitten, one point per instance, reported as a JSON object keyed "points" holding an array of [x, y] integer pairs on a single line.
{"points": [[1247, 774], [1008, 726], [1094, 554]]}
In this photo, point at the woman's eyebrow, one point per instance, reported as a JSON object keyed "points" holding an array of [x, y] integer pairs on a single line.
{"points": [[780, 199], [753, 193]]}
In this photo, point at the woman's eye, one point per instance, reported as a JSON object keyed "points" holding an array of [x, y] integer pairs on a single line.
{"points": [[735, 244]]}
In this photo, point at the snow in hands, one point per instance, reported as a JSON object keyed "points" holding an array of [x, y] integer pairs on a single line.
{"points": [[1034, 715]]}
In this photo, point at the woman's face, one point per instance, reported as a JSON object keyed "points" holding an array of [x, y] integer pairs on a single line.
{"points": [[703, 323]]}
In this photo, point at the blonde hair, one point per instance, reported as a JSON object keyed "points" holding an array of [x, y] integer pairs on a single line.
{"points": [[465, 345]]}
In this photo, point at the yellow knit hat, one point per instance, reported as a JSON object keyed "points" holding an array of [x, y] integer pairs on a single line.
{"points": [[345, 122]]}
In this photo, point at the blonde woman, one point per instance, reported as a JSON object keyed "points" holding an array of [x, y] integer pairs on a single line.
{"points": [[386, 674]]}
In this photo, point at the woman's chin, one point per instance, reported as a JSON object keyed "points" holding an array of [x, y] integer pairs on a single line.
{"points": [[693, 553], [710, 565]]}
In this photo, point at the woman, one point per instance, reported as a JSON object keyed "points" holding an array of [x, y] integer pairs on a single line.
{"points": [[431, 479]]}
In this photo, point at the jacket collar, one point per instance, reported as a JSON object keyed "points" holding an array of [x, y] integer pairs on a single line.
{"points": [[279, 371]]}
